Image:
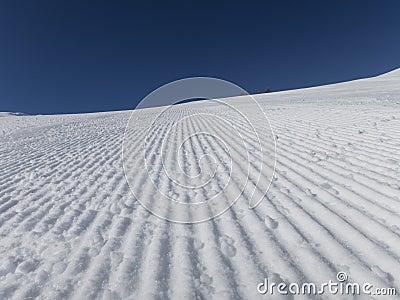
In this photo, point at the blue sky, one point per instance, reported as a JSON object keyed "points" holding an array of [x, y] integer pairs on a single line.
{"points": [[85, 56]]}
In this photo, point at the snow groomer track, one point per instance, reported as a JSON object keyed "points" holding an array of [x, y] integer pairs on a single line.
{"points": [[70, 226]]}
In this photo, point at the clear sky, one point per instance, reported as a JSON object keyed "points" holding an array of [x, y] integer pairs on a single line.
{"points": [[85, 56]]}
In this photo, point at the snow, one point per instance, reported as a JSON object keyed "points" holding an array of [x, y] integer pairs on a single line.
{"points": [[10, 114], [71, 228]]}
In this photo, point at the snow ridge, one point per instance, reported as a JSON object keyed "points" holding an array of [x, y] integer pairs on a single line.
{"points": [[70, 227]]}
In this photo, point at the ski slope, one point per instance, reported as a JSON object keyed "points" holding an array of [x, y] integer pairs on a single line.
{"points": [[70, 226]]}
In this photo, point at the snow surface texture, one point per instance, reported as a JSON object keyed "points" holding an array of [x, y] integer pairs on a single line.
{"points": [[71, 228]]}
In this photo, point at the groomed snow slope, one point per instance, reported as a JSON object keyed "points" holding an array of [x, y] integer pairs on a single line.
{"points": [[71, 228]]}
